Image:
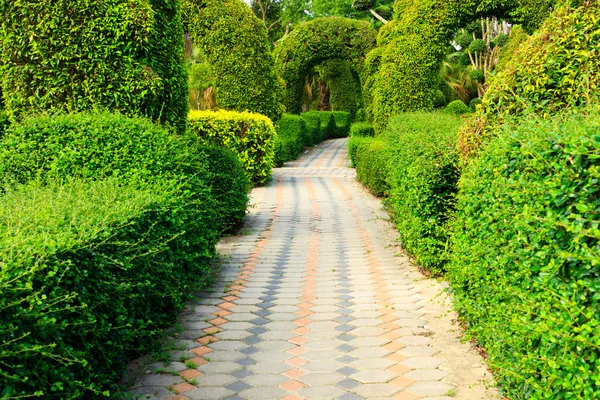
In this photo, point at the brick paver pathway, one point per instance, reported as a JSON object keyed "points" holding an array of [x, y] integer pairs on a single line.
{"points": [[313, 303]]}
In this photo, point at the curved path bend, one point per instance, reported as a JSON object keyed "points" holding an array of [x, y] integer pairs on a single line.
{"points": [[315, 301]]}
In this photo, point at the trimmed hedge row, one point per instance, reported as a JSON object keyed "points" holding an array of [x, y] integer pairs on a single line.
{"points": [[525, 267], [292, 137], [363, 129], [414, 164], [250, 136], [108, 223], [296, 132]]}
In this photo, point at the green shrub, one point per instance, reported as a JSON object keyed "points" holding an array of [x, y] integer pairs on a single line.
{"points": [[4, 122], [313, 128], [250, 136], [229, 185], [326, 122], [372, 161], [517, 37], [292, 138], [552, 71], [474, 103], [315, 42], [114, 54], [457, 107], [244, 75], [354, 144], [525, 267], [102, 268], [343, 122], [364, 129], [422, 175]]}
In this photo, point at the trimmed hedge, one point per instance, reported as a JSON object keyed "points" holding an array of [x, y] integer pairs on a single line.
{"points": [[457, 107], [250, 136], [423, 177], [525, 266], [553, 70], [292, 137], [114, 54], [343, 122], [243, 68], [4, 122], [104, 263], [229, 185], [325, 121], [414, 163], [363, 129], [345, 92], [315, 42]]}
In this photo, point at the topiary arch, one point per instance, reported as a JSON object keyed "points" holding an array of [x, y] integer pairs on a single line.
{"points": [[315, 42], [236, 46]]}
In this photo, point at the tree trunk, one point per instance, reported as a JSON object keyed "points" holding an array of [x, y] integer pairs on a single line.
{"points": [[323, 96], [379, 17]]}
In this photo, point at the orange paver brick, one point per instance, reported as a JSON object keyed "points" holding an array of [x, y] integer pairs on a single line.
{"points": [[292, 386], [183, 387], [202, 350], [190, 374]]}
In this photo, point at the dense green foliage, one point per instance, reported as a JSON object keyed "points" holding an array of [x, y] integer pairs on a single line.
{"points": [[412, 48], [345, 92], [363, 129], [372, 158], [229, 185], [237, 49], [414, 163], [325, 121], [315, 42], [525, 267], [4, 121], [517, 37], [250, 136], [104, 265], [555, 69], [292, 137], [343, 122], [457, 107], [422, 177], [115, 54]]}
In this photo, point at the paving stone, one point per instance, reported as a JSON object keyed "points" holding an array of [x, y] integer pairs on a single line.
{"points": [[373, 376], [376, 389], [218, 367], [269, 367], [274, 345], [151, 392], [323, 366], [230, 345], [263, 393], [215, 380], [431, 388], [238, 386], [266, 380], [367, 352], [426, 374], [160, 380], [350, 396], [242, 373], [419, 351], [275, 356], [422, 362], [321, 378], [372, 363], [212, 393], [246, 361], [320, 392]]}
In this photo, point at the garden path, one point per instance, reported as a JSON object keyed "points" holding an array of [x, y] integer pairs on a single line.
{"points": [[315, 301]]}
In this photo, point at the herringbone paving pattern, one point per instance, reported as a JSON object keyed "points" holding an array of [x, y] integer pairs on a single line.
{"points": [[313, 303]]}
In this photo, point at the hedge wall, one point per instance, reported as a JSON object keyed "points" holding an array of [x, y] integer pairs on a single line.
{"points": [[555, 69], [525, 266], [414, 164], [315, 42], [292, 137], [114, 226], [345, 93], [363, 129], [244, 76], [115, 54], [250, 136]]}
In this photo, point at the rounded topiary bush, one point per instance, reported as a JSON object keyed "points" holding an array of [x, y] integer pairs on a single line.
{"points": [[474, 103], [244, 75], [457, 107], [525, 270]]}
